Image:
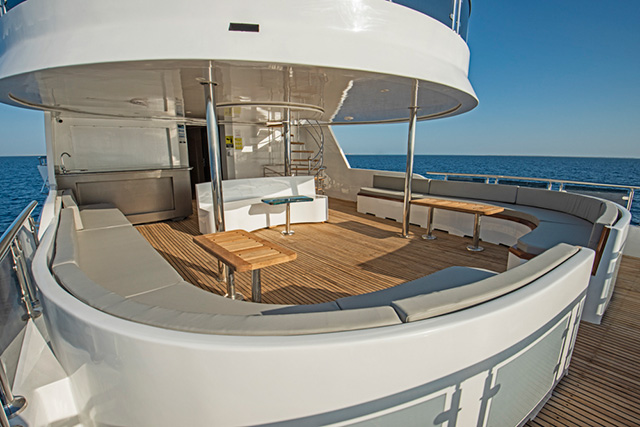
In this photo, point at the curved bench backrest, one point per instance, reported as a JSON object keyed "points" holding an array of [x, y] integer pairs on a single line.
{"points": [[449, 300], [474, 190], [396, 183]]}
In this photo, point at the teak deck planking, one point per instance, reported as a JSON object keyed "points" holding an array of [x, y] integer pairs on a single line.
{"points": [[354, 253]]}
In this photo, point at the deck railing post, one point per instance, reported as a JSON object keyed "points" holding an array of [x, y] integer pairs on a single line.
{"points": [[11, 405], [409, 172]]}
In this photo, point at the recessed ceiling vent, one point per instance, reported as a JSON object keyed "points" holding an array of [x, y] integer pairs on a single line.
{"points": [[246, 28]]}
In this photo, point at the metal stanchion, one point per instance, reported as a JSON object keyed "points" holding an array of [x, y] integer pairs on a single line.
{"points": [[409, 172], [11, 405]]}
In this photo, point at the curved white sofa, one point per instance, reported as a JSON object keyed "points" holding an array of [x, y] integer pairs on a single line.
{"points": [[243, 207], [126, 327], [534, 220]]}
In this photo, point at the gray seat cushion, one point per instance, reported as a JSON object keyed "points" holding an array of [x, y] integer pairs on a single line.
{"points": [[184, 296], [256, 325], [122, 261], [102, 216], [461, 297], [214, 320], [440, 280], [584, 207], [549, 234]]}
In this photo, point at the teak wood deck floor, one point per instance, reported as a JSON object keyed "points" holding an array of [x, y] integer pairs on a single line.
{"points": [[354, 253]]}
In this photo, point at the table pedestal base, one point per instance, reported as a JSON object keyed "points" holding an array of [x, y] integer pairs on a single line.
{"points": [[231, 286], [475, 247], [429, 236]]}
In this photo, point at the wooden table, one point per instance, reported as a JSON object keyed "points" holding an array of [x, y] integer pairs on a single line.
{"points": [[244, 251], [478, 209]]}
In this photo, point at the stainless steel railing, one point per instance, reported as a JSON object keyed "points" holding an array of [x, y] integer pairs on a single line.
{"points": [[453, 13], [561, 183], [17, 246], [6, 5], [9, 243]]}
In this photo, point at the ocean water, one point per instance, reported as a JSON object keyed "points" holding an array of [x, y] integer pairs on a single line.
{"points": [[21, 181], [585, 169], [20, 184]]}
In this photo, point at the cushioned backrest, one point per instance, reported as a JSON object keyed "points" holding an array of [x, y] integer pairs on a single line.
{"points": [[69, 202], [418, 185], [442, 279], [608, 218], [68, 198], [584, 207], [474, 190], [421, 186], [66, 239], [254, 325], [450, 300], [388, 182]]}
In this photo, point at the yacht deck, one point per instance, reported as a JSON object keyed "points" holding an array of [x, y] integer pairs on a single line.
{"points": [[354, 253]]}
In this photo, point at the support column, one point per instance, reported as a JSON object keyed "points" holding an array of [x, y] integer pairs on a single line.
{"points": [[409, 171], [215, 163], [215, 166]]}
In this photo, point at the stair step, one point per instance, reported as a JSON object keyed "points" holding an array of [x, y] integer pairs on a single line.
{"points": [[302, 151], [300, 160], [297, 143]]}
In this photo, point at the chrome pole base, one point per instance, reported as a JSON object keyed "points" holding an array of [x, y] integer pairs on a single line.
{"points": [[429, 237], [15, 407], [288, 233], [472, 248], [237, 296]]}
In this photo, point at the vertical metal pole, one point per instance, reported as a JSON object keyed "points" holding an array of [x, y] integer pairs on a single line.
{"points": [[429, 235], [409, 172], [630, 201], [11, 405], [231, 285], [215, 163], [215, 167], [476, 235], [256, 287], [453, 14], [286, 133], [4, 420]]}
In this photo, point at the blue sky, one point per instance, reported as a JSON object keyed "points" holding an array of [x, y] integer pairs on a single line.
{"points": [[553, 78]]}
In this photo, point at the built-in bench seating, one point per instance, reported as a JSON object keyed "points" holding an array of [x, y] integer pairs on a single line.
{"points": [[534, 220], [107, 264], [243, 207], [552, 217]]}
